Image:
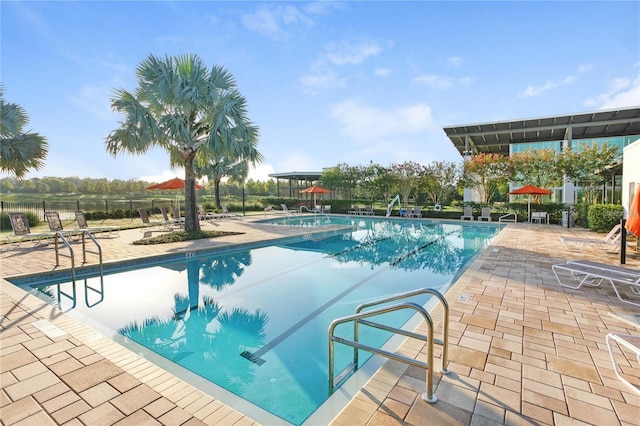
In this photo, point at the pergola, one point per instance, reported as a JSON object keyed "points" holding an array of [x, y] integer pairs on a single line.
{"points": [[496, 137], [295, 181]]}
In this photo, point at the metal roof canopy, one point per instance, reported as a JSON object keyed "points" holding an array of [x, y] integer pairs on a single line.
{"points": [[308, 176], [495, 137]]}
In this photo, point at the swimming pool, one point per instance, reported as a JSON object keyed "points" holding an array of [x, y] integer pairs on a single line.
{"points": [[254, 321]]}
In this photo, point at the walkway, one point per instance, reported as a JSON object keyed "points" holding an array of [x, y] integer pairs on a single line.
{"points": [[523, 349]]}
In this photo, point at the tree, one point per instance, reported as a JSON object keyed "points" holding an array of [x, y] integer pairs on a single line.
{"points": [[486, 172], [184, 108], [587, 165], [407, 178], [536, 167], [20, 150], [440, 180]]}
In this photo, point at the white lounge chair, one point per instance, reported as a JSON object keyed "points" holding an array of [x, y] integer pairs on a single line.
{"points": [[575, 274], [286, 209], [416, 212], [468, 213], [629, 342], [540, 217], [577, 243], [486, 214], [203, 215]]}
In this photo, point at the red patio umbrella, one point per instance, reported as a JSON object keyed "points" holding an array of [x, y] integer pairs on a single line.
{"points": [[315, 190], [633, 218], [172, 184], [530, 190], [175, 183]]}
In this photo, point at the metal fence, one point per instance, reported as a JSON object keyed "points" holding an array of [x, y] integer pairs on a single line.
{"points": [[66, 209]]}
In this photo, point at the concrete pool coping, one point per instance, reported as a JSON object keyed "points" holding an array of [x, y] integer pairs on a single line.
{"points": [[523, 349]]}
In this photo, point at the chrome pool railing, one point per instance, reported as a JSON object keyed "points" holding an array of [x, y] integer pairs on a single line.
{"points": [[360, 318]]}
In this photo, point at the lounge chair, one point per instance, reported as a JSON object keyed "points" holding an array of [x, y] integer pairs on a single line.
{"points": [[144, 217], [286, 210], [22, 231], [355, 210], [575, 274], [368, 211], [55, 225], [176, 219], [576, 243], [468, 213], [416, 212], [540, 217], [203, 215], [485, 215], [629, 342], [226, 213], [270, 209], [108, 231]]}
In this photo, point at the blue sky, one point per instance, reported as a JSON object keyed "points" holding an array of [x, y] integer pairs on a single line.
{"points": [[326, 82]]}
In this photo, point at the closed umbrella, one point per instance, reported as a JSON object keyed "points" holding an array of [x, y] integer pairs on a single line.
{"points": [[530, 190], [633, 218]]}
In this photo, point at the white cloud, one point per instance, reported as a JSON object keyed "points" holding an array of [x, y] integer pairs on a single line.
{"points": [[274, 21], [323, 73], [435, 81], [622, 92], [164, 176], [260, 172], [455, 61], [533, 90], [383, 72], [366, 124], [94, 99]]}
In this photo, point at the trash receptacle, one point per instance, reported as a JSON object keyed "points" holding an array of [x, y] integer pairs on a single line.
{"points": [[567, 219]]}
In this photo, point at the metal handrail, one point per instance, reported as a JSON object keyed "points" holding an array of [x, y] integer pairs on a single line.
{"points": [[504, 216], [445, 319], [60, 234], [360, 318]]}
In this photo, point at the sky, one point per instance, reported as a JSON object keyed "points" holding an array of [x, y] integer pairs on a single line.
{"points": [[326, 82]]}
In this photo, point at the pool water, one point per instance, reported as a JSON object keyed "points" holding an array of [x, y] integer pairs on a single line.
{"points": [[255, 321]]}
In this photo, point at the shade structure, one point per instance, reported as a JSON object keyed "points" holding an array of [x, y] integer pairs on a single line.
{"points": [[172, 184], [315, 190], [633, 218], [530, 190], [175, 183]]}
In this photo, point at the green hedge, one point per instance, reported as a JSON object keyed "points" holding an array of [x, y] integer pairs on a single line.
{"points": [[603, 217]]}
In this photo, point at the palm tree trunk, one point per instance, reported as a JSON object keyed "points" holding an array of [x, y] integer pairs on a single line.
{"points": [[191, 222], [216, 188]]}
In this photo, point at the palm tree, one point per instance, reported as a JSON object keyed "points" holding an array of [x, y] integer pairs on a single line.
{"points": [[188, 110], [223, 167], [19, 150]]}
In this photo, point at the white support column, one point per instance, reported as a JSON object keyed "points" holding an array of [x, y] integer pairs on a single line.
{"points": [[568, 188]]}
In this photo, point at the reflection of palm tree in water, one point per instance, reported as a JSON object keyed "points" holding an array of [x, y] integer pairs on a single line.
{"points": [[200, 333], [223, 272]]}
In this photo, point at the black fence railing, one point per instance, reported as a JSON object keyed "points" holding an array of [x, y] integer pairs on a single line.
{"points": [[66, 209]]}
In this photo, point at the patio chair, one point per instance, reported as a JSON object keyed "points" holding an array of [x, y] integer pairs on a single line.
{"points": [[575, 274], [540, 217], [108, 231], [485, 215], [203, 215], [146, 221], [468, 213], [355, 210], [416, 212], [55, 225], [577, 243], [22, 231], [176, 219], [368, 211], [286, 210], [226, 213], [629, 342]]}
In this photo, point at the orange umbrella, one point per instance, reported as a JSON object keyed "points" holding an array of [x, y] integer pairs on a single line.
{"points": [[315, 190], [175, 183], [172, 184], [530, 190], [633, 218]]}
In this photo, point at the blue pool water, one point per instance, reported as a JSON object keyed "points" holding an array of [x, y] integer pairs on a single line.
{"points": [[255, 321]]}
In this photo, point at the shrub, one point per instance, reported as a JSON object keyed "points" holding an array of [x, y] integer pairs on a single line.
{"points": [[5, 223], [603, 217]]}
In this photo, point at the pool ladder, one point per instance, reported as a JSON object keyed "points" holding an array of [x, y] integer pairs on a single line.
{"points": [[60, 236], [361, 318]]}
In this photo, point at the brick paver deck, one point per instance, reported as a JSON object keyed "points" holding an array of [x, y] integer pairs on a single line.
{"points": [[523, 350]]}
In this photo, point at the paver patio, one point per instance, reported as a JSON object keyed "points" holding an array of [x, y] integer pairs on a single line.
{"points": [[523, 350]]}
